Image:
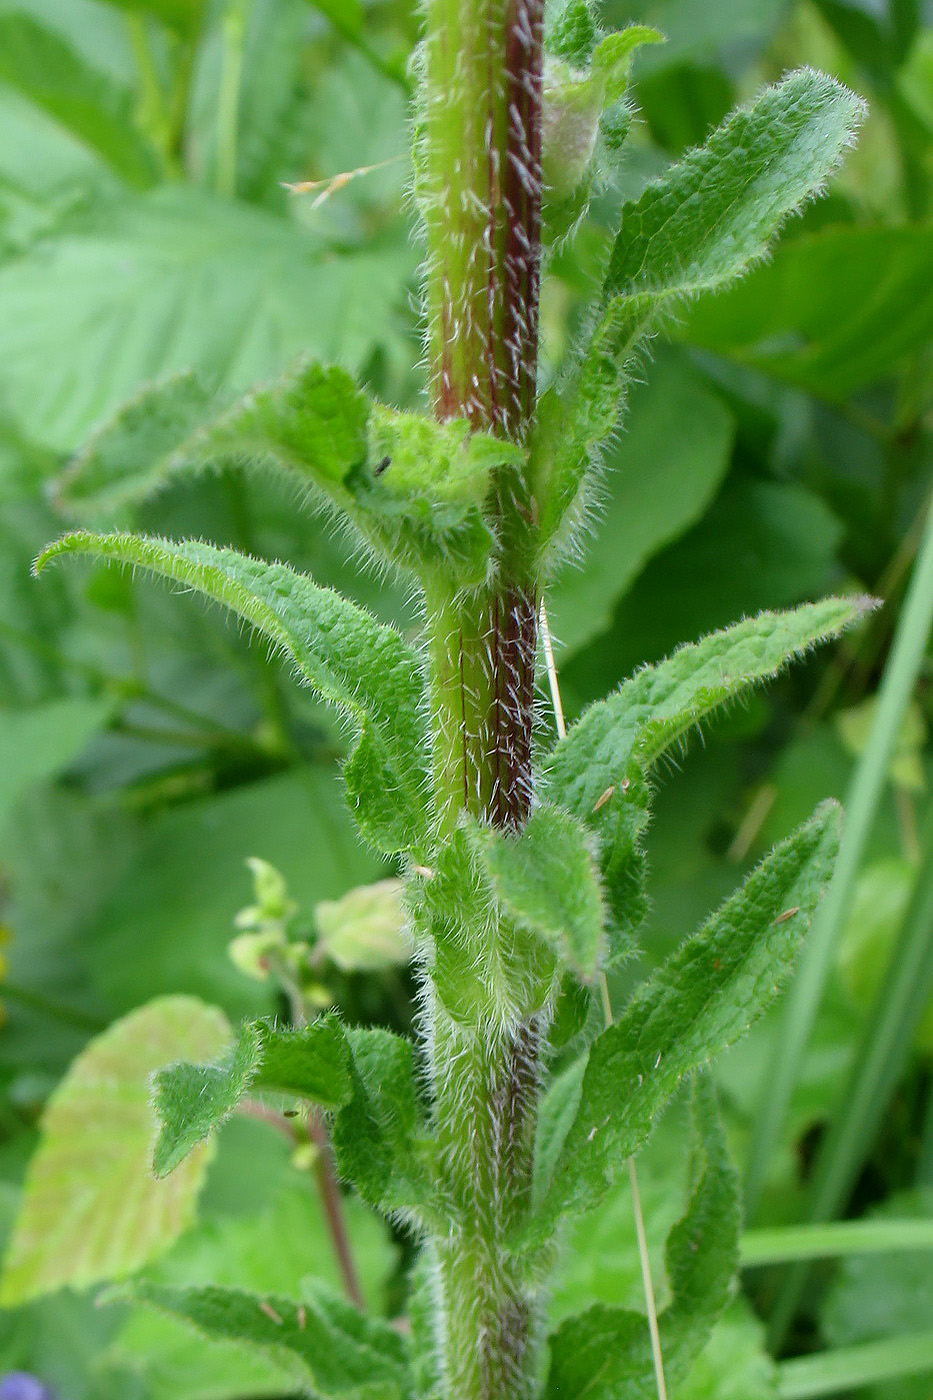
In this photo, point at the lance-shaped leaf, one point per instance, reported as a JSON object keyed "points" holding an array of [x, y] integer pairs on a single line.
{"points": [[366, 670], [701, 1000], [598, 772], [606, 1352], [545, 880], [90, 1209], [698, 227], [330, 1344], [38, 63], [192, 1100], [379, 1138], [414, 488]]}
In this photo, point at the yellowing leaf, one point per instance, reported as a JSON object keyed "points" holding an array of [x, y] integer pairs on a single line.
{"points": [[91, 1207]]}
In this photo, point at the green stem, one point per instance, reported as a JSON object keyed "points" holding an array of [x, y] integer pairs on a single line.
{"points": [[154, 116], [479, 187]]}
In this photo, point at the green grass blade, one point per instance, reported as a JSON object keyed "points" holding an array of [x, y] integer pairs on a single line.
{"points": [[836, 1240], [861, 807], [853, 1368], [879, 1062]]}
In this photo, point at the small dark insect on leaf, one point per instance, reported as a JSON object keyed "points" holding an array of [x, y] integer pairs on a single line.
{"points": [[382, 465], [788, 914], [290, 1113]]}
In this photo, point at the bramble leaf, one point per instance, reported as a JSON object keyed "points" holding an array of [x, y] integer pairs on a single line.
{"points": [[599, 771], [192, 1100], [696, 228], [545, 880], [606, 1352], [379, 1140], [366, 670], [331, 1345], [38, 63], [701, 1000], [91, 1210]]}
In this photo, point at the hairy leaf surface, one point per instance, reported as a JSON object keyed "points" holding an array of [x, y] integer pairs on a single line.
{"points": [[545, 880], [378, 1136], [414, 488], [701, 1000], [696, 228], [605, 1353], [599, 770], [362, 668], [91, 1210], [192, 1100], [334, 1347]]}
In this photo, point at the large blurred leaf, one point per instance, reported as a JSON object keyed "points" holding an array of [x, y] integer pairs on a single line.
{"points": [[91, 1210], [174, 908], [660, 477], [175, 280], [43, 68], [762, 544], [696, 32], [39, 742], [831, 313]]}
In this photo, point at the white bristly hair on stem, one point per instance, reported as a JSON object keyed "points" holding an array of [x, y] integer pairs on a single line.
{"points": [[643, 1257]]}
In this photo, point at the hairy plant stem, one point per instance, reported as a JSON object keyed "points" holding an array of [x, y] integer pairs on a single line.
{"points": [[479, 186]]}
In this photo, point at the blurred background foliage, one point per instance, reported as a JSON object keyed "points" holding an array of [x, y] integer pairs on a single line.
{"points": [[778, 448]]}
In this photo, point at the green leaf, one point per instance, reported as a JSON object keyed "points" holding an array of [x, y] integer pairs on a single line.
{"points": [[832, 312], [362, 668], [544, 879], [330, 1344], [41, 66], [192, 1100], [184, 281], [478, 969], [90, 1209], [702, 223], [575, 100], [598, 772], [697, 228], [379, 1140], [606, 1352], [701, 1000], [414, 488], [39, 742]]}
